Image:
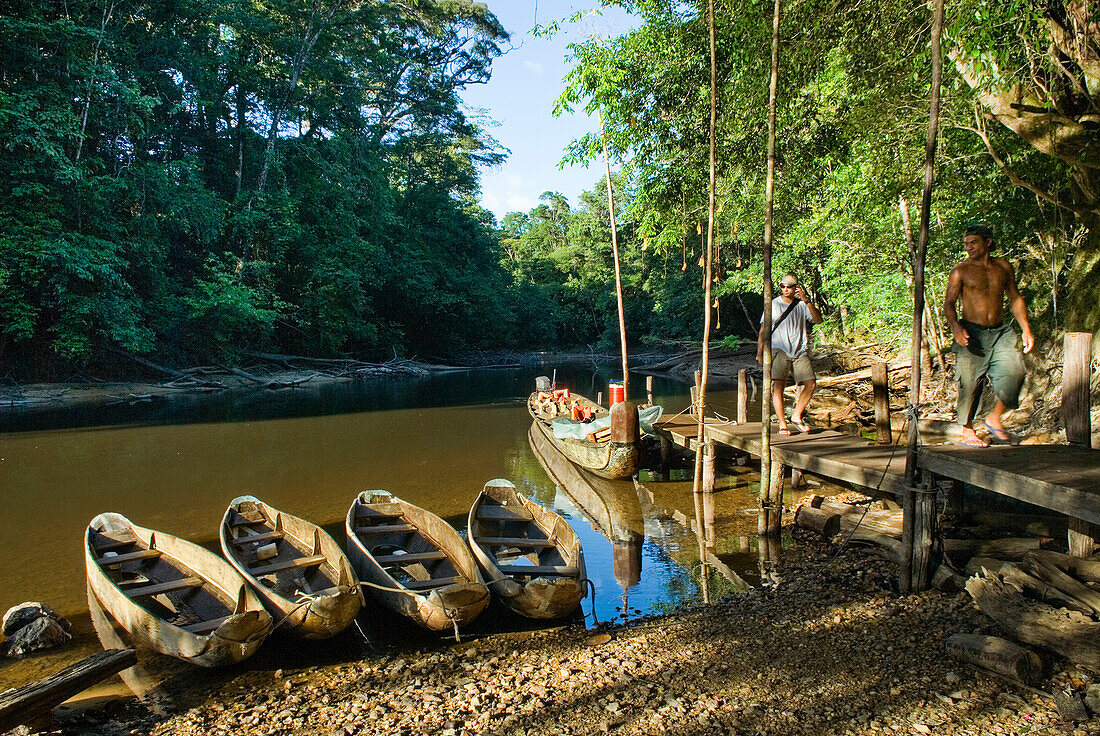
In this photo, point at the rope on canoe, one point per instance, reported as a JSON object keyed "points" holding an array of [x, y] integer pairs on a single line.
{"points": [[592, 587]]}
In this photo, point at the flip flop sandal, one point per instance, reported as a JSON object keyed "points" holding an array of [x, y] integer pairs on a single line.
{"points": [[786, 432], [974, 442], [998, 434], [802, 426]]}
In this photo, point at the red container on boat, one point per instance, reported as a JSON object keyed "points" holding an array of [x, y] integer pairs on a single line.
{"points": [[616, 392]]}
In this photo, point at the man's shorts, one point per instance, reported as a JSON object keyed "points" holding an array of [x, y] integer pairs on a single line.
{"points": [[782, 365], [991, 355]]}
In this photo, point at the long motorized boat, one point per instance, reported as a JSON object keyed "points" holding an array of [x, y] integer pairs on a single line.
{"points": [[605, 443], [173, 596], [296, 568], [532, 558], [415, 562]]}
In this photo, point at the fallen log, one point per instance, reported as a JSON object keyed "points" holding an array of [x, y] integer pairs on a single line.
{"points": [[1051, 575], [31, 701], [861, 375], [825, 523], [883, 545], [997, 655], [1008, 548], [1073, 635], [1087, 570], [1036, 526], [878, 520], [1040, 589]]}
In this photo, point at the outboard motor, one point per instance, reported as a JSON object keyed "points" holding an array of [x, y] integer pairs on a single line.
{"points": [[542, 383]]}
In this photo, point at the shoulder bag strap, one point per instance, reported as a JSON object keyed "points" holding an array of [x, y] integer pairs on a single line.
{"points": [[788, 310]]}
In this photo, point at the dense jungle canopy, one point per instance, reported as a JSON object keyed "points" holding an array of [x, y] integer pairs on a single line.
{"points": [[189, 179]]}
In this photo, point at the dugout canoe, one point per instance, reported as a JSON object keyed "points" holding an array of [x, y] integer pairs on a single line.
{"points": [[531, 557], [414, 562], [610, 451], [298, 571], [172, 596]]}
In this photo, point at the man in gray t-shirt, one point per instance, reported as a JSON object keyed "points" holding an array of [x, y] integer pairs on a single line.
{"points": [[791, 349]]}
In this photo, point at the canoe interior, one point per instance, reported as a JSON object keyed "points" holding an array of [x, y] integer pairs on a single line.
{"points": [[276, 557], [546, 410], [511, 534], [160, 584], [402, 549]]}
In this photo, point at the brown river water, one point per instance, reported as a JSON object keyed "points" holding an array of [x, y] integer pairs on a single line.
{"points": [[174, 466]]}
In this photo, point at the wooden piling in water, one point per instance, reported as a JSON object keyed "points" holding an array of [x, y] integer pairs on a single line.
{"points": [[1075, 388], [743, 396], [649, 389]]}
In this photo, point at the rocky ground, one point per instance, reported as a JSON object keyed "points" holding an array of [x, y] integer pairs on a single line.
{"points": [[830, 650]]}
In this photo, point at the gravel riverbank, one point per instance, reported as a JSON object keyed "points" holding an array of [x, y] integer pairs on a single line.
{"points": [[830, 650]]}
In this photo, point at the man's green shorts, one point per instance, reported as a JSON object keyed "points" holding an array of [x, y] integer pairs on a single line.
{"points": [[991, 355], [783, 364]]}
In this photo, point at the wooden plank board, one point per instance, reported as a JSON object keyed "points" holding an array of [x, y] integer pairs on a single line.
{"points": [[500, 513], [384, 528], [1063, 478], [309, 561], [410, 558], [26, 703], [828, 453], [158, 588], [514, 541], [537, 570]]}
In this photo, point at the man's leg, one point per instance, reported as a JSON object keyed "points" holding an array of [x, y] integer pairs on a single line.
{"points": [[1006, 377], [970, 370], [778, 386], [804, 397]]}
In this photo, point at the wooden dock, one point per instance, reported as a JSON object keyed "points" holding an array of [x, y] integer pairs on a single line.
{"points": [[1061, 478]]}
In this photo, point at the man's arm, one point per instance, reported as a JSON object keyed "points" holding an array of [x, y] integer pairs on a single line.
{"points": [[1019, 307], [954, 289], [815, 315]]}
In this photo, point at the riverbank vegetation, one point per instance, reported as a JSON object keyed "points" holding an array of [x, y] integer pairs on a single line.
{"points": [[193, 180]]}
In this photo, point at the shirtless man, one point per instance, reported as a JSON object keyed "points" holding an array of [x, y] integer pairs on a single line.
{"points": [[985, 347]]}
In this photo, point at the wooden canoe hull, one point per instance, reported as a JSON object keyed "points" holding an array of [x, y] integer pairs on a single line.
{"points": [[438, 609], [241, 632], [538, 596], [607, 458], [316, 601]]}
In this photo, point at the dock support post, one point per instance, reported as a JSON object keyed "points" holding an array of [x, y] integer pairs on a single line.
{"points": [[1081, 538], [918, 530], [796, 477], [649, 389], [697, 410], [953, 494], [708, 449], [881, 382], [599, 398], [1075, 388], [771, 506], [743, 396], [666, 453]]}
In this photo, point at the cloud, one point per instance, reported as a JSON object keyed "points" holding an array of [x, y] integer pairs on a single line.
{"points": [[533, 66]]}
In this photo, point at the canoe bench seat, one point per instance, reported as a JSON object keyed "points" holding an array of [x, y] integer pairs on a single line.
{"points": [[385, 529], [538, 570], [409, 558], [308, 561], [500, 513], [432, 583], [246, 519], [168, 587], [107, 544], [514, 542], [261, 537], [141, 554], [204, 627]]}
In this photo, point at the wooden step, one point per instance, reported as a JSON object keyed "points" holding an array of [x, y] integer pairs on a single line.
{"points": [[514, 542], [409, 558], [385, 529], [308, 561], [141, 554], [158, 588], [500, 513], [536, 570], [261, 537], [433, 583], [205, 627]]}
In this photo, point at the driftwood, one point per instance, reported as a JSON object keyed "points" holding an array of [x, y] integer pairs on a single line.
{"points": [[1073, 635], [861, 375], [851, 516], [1087, 570], [825, 523], [31, 701], [997, 655], [1039, 589], [179, 377], [269, 382], [1036, 526], [1051, 575], [1007, 548]]}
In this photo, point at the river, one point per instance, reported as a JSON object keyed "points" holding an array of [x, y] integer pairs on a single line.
{"points": [[434, 441]]}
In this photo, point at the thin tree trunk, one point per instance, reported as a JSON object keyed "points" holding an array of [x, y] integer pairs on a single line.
{"points": [[107, 13], [615, 251], [766, 491], [708, 257]]}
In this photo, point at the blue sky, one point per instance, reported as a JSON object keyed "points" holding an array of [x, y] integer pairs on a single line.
{"points": [[520, 98]]}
